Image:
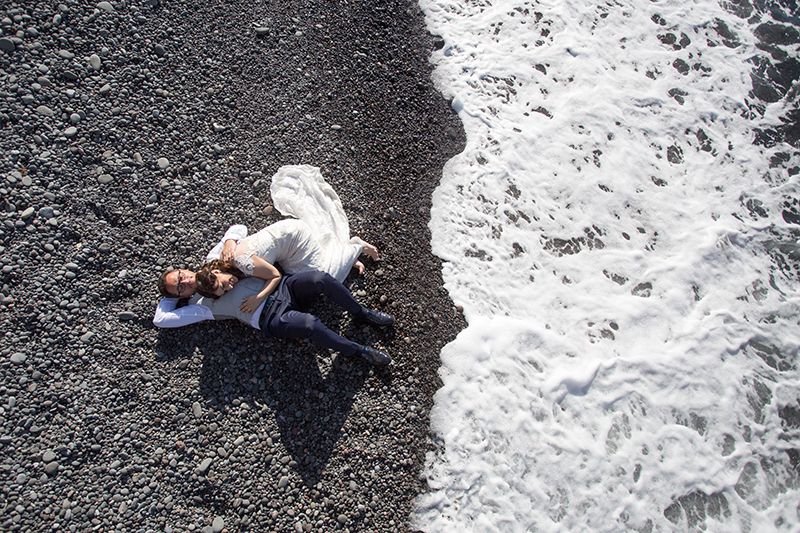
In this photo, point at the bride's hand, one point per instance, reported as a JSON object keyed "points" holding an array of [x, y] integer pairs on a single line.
{"points": [[227, 250], [251, 303]]}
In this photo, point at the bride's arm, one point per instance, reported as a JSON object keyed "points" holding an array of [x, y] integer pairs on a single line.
{"points": [[266, 271]]}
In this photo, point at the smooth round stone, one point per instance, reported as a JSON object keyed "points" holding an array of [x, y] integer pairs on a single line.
{"points": [[18, 358], [127, 315], [163, 163], [70, 132], [105, 178], [7, 45], [204, 465], [49, 456], [262, 30], [51, 467], [105, 6], [74, 118], [28, 213], [46, 212], [44, 110], [218, 524], [104, 89], [94, 61]]}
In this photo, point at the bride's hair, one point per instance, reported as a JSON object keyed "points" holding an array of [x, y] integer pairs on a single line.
{"points": [[207, 280]]}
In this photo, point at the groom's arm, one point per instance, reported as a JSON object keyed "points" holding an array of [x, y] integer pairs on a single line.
{"points": [[167, 316], [235, 233]]}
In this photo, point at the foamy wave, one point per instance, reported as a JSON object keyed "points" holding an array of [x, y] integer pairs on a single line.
{"points": [[623, 254]]}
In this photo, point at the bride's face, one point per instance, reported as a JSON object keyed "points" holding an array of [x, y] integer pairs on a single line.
{"points": [[225, 282]]}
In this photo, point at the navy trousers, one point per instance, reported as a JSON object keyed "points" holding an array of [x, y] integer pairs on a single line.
{"points": [[298, 291]]}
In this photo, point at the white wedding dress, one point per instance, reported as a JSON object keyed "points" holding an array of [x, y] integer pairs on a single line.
{"points": [[317, 238]]}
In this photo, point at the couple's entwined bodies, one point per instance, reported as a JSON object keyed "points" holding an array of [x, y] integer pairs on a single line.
{"points": [[241, 280]]}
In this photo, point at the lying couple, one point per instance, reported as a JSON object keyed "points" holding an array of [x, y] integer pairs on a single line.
{"points": [[240, 281]]}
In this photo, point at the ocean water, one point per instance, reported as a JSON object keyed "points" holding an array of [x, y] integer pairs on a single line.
{"points": [[622, 233]]}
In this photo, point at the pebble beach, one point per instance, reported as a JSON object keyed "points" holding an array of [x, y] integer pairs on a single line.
{"points": [[133, 134]]}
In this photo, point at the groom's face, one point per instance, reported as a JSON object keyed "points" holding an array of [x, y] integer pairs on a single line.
{"points": [[181, 283]]}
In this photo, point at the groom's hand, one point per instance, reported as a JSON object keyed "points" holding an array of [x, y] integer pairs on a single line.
{"points": [[227, 250]]}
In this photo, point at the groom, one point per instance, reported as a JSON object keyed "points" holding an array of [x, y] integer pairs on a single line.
{"points": [[281, 314]]}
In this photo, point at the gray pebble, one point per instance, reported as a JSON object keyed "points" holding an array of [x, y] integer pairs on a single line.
{"points": [[203, 467], [18, 358], [7, 45], [163, 163], [262, 30], [49, 456], [218, 524], [94, 61], [45, 111], [127, 315], [105, 6], [70, 132], [105, 178], [28, 213], [51, 467], [74, 118], [197, 410], [283, 481]]}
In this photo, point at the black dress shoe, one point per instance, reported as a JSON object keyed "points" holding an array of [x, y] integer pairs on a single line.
{"points": [[377, 318], [376, 357]]}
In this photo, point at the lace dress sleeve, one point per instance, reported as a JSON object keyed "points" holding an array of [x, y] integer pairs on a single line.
{"points": [[244, 263]]}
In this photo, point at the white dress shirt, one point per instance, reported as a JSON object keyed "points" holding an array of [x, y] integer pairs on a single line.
{"points": [[167, 316]]}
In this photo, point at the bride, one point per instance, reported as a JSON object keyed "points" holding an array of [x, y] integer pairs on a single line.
{"points": [[318, 239]]}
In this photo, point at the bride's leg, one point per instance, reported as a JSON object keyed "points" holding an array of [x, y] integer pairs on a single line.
{"points": [[366, 248]]}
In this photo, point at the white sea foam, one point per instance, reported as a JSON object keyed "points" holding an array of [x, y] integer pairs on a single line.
{"points": [[630, 361]]}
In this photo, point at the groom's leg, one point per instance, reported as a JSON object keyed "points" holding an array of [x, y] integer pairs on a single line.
{"points": [[305, 287], [297, 325]]}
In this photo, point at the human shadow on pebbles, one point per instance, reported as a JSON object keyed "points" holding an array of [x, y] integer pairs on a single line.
{"points": [[307, 393]]}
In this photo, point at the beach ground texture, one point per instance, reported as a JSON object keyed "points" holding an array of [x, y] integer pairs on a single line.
{"points": [[134, 133]]}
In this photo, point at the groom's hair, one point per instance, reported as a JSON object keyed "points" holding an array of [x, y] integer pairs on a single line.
{"points": [[162, 284]]}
